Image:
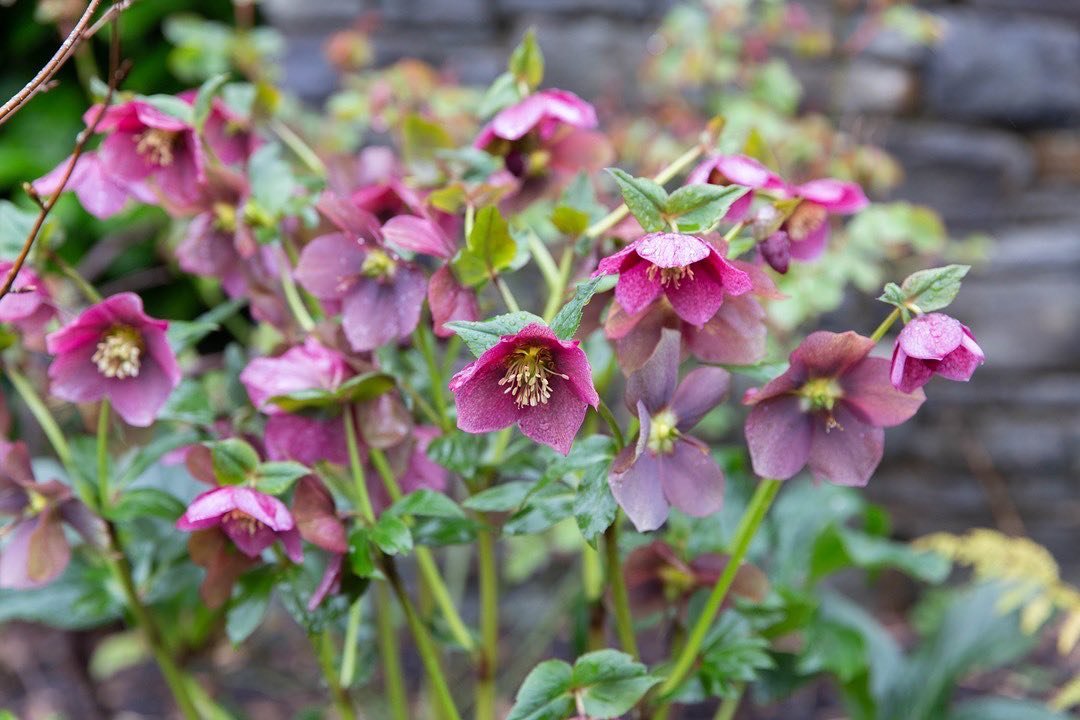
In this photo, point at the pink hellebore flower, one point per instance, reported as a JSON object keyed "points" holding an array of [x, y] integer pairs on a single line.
{"points": [[114, 350], [301, 437], [411, 465], [380, 294], [805, 233], [667, 467], [318, 522], [100, 191], [827, 410], [934, 344], [736, 170], [687, 270], [228, 134], [251, 519], [531, 378], [29, 305]]}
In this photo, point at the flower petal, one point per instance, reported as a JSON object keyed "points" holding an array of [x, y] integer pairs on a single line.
{"points": [[557, 422], [418, 235], [931, 336], [635, 289], [829, 355], [846, 455], [735, 335], [329, 265], [640, 494], [699, 392], [871, 396], [654, 383], [778, 435], [672, 250], [691, 479], [696, 300]]}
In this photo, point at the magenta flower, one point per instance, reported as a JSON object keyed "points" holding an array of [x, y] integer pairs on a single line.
{"points": [[450, 300], [301, 437], [318, 522], [736, 170], [688, 271], [667, 467], [544, 113], [934, 344], [380, 294], [114, 350], [251, 519], [100, 191], [29, 305], [805, 233], [531, 378], [228, 134], [37, 550], [827, 410]]}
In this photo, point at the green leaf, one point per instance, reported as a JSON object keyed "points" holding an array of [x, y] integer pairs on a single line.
{"points": [[360, 560], [422, 138], [15, 224], [502, 93], [184, 334], [594, 506], [146, 502], [504, 497], [426, 503], [569, 221], [545, 509], [234, 461], [189, 403], [762, 372], [568, 319], [171, 106], [438, 531], [275, 478], [698, 207], [645, 199], [392, 535], [894, 295], [489, 248], [458, 452], [1003, 709], [205, 97], [248, 605], [272, 180], [358, 388], [115, 653], [610, 683], [732, 655], [484, 335], [839, 547], [935, 288], [527, 61], [545, 693]]}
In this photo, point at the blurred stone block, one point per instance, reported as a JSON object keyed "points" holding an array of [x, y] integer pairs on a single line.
{"points": [[869, 86], [1069, 9], [1057, 155], [1018, 71], [290, 15], [619, 8], [468, 13]]}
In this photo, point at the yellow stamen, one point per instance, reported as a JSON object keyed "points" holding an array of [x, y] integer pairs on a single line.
{"points": [[662, 432], [806, 218], [528, 375], [821, 395], [378, 265], [670, 276], [119, 352], [157, 145], [241, 518]]}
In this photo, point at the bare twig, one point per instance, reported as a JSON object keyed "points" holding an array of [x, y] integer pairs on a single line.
{"points": [[117, 72]]}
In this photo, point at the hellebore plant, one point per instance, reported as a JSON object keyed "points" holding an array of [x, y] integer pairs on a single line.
{"points": [[324, 399]]}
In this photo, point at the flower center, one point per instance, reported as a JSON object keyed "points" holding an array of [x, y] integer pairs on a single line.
{"points": [[37, 501], [528, 375], [239, 518], [820, 395], [225, 217], [670, 276], [118, 352], [806, 218], [662, 432], [378, 265], [157, 146]]}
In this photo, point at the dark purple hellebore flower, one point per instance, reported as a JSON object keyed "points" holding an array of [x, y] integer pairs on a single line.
{"points": [[934, 344], [531, 378], [687, 270], [304, 438], [115, 350], [37, 550], [826, 411], [251, 519], [736, 170], [667, 467], [805, 232], [29, 305], [380, 294]]}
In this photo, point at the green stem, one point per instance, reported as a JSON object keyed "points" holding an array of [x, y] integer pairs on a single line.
{"points": [[507, 296], [558, 290], [292, 298], [544, 262], [613, 218], [624, 621], [592, 581], [613, 425], [352, 644], [324, 650], [453, 347], [429, 655], [426, 344], [299, 147], [425, 561], [45, 420], [363, 500], [730, 705], [489, 625], [885, 325], [744, 534], [391, 655], [103, 456]]}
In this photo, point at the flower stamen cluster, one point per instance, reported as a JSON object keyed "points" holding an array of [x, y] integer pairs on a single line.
{"points": [[118, 353], [672, 276], [528, 370], [378, 265], [156, 145], [663, 432]]}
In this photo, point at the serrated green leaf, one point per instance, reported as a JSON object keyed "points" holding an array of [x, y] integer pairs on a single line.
{"points": [[392, 535], [567, 321], [426, 503], [527, 61], [594, 506], [234, 461], [502, 93], [15, 224], [934, 288], [504, 497], [544, 695], [698, 207], [146, 502], [171, 106], [275, 478], [483, 335], [360, 560], [839, 547], [644, 198], [489, 249], [610, 683], [422, 138]]}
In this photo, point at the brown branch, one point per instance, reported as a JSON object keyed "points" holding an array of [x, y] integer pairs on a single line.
{"points": [[117, 72]]}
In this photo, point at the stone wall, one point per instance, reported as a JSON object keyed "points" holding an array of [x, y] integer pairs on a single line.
{"points": [[987, 126]]}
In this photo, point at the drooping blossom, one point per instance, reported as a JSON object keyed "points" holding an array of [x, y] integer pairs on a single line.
{"points": [[319, 523], [252, 520], [29, 306], [37, 550], [666, 466], [449, 301], [804, 234], [685, 269], [657, 578], [379, 293], [306, 438], [934, 344], [532, 379], [115, 350], [100, 192], [736, 170], [213, 551], [547, 134], [828, 411]]}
